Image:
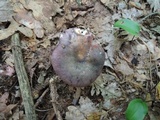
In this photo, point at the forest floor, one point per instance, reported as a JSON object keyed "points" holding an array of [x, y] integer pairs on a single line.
{"points": [[131, 68]]}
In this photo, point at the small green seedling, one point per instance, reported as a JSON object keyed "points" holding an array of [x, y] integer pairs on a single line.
{"points": [[128, 25], [136, 110]]}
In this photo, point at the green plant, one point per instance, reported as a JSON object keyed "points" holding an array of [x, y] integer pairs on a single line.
{"points": [[78, 2], [130, 26], [136, 110]]}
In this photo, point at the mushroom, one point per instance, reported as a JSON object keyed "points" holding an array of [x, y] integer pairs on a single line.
{"points": [[77, 59]]}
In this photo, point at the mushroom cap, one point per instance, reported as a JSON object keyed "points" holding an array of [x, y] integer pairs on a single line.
{"points": [[77, 59]]}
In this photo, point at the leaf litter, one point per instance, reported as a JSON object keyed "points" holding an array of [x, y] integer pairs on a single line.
{"points": [[131, 67]]}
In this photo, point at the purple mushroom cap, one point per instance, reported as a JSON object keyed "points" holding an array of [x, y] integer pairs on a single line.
{"points": [[77, 59]]}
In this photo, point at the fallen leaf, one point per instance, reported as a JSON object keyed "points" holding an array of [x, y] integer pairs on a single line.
{"points": [[156, 29], [158, 91], [4, 97], [94, 116], [154, 49], [87, 109], [113, 46], [87, 106], [131, 13], [2, 107], [24, 17], [26, 31], [60, 21], [124, 68], [130, 26], [74, 114], [46, 43], [9, 58], [136, 110], [3, 101], [154, 4], [9, 108], [43, 11], [6, 70], [109, 91], [38, 30], [6, 11], [5, 33], [109, 3]]}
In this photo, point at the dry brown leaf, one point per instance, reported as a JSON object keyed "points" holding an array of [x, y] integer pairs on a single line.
{"points": [[30, 65], [155, 4], [2, 107], [4, 97], [109, 3], [60, 2], [6, 70], [43, 11], [68, 16], [24, 17], [106, 86], [124, 68], [148, 99], [6, 111], [9, 108], [94, 116], [74, 114], [87, 106], [50, 114], [154, 49], [3, 101], [60, 21], [152, 116], [26, 31], [8, 56], [87, 109], [38, 30], [6, 11], [131, 13], [31, 43], [136, 5], [5, 33], [141, 77], [113, 46], [158, 91], [156, 29], [46, 43]]}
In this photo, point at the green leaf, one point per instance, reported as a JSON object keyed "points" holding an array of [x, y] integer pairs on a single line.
{"points": [[128, 25], [136, 110], [79, 2]]}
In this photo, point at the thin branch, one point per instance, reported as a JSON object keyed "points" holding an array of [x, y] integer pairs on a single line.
{"points": [[41, 97], [23, 78], [54, 96]]}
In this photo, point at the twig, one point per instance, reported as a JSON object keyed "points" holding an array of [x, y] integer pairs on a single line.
{"points": [[23, 78], [148, 16], [41, 97], [38, 88], [54, 95]]}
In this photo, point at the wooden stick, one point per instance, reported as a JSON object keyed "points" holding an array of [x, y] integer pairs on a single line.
{"points": [[54, 96], [23, 78], [41, 97]]}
